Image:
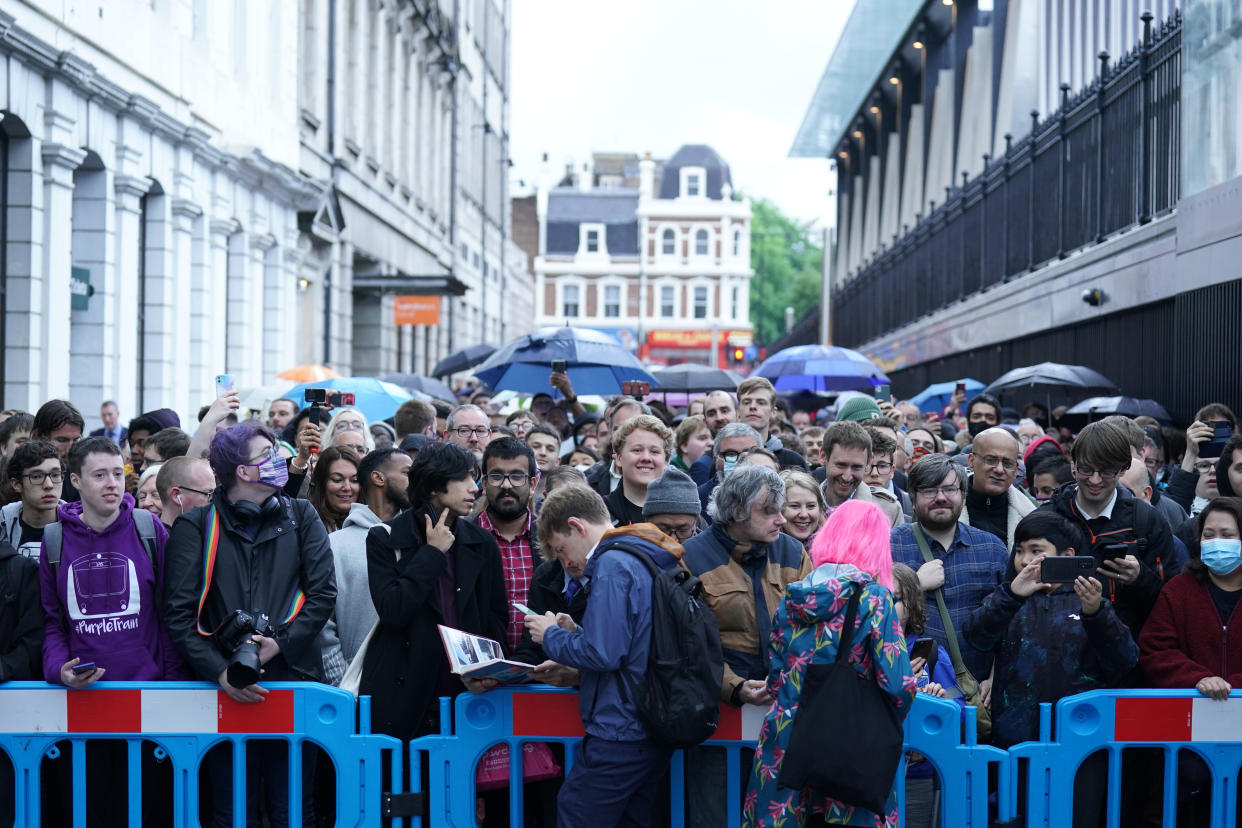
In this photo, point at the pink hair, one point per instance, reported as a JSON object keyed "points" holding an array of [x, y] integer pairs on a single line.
{"points": [[856, 533]]}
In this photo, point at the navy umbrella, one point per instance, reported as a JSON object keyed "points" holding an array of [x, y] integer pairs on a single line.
{"points": [[691, 378], [1094, 407], [596, 362], [463, 360], [424, 385], [1053, 382], [821, 368]]}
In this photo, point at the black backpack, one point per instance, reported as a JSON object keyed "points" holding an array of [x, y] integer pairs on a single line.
{"points": [[679, 697]]}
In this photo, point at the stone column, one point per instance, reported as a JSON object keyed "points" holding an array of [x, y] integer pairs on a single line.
{"points": [[217, 291], [189, 306], [25, 280], [51, 365], [123, 320], [95, 347]]}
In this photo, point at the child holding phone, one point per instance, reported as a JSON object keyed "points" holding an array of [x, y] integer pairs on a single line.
{"points": [[1050, 640]]}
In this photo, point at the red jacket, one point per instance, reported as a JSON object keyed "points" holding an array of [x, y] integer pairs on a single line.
{"points": [[1183, 640]]}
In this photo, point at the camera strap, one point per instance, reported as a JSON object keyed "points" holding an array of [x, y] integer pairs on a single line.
{"points": [[211, 546]]}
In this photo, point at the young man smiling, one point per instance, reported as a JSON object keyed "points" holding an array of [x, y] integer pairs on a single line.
{"points": [[641, 448]]}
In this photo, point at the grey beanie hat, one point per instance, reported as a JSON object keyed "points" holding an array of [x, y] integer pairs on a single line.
{"points": [[673, 494]]}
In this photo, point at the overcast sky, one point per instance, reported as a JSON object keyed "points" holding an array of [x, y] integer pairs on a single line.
{"points": [[650, 75]]}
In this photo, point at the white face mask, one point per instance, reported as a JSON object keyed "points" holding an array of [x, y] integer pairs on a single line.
{"points": [[582, 468]]}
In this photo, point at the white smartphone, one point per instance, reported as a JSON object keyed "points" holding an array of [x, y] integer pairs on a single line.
{"points": [[224, 384]]}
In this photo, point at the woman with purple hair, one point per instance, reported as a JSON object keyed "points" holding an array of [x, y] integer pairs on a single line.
{"points": [[850, 555]]}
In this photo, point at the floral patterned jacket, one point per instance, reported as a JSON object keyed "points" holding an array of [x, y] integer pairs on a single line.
{"points": [[807, 630]]}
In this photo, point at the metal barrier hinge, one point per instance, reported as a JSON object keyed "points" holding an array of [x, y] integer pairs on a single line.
{"points": [[403, 805]]}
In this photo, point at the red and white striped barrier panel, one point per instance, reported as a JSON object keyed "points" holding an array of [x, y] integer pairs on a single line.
{"points": [[1177, 720], [98, 710], [555, 715]]}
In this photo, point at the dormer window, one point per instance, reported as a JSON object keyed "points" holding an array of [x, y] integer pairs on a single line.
{"points": [[693, 182], [591, 239]]}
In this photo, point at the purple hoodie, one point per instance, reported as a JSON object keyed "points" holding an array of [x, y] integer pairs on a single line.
{"points": [[102, 606]]}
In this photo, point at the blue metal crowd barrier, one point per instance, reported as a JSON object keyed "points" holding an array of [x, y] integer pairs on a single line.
{"points": [[516, 716], [184, 720]]}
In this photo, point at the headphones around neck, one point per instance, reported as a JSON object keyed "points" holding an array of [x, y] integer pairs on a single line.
{"points": [[248, 511]]}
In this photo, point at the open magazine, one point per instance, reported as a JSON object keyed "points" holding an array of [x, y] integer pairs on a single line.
{"points": [[476, 657]]}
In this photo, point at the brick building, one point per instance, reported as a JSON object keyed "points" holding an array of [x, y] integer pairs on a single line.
{"points": [[664, 266]]}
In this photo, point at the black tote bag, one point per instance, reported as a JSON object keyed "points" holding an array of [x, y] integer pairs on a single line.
{"points": [[846, 738]]}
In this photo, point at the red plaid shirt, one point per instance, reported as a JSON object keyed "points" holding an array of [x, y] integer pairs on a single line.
{"points": [[515, 557]]}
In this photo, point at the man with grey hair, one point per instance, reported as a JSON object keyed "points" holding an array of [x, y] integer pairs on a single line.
{"points": [[967, 562], [730, 442], [469, 427], [745, 562]]}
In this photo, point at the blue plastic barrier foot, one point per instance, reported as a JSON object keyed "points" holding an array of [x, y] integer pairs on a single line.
{"points": [[403, 805]]}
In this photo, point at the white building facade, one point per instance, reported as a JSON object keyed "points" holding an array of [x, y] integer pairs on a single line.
{"points": [[193, 187], [664, 267]]}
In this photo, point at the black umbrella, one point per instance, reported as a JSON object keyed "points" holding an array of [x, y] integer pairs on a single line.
{"points": [[463, 360], [1094, 408], [1051, 383], [689, 378], [425, 385]]}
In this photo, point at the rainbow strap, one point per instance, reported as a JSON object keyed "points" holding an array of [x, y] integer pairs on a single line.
{"points": [[211, 545]]}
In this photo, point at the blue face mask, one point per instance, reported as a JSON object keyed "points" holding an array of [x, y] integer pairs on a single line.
{"points": [[1221, 555], [730, 463]]}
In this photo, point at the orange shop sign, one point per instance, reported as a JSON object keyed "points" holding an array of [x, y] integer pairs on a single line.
{"points": [[416, 310]]}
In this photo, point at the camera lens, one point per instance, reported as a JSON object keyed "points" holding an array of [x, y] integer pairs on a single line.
{"points": [[243, 669]]}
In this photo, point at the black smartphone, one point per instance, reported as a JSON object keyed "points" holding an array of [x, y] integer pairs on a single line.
{"points": [[88, 667], [923, 648], [1113, 551], [1221, 432], [960, 389], [559, 366], [1063, 570]]}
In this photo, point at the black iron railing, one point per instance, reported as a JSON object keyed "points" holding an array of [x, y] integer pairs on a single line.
{"points": [[1106, 161]]}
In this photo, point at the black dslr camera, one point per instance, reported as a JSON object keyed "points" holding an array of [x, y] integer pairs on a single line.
{"points": [[235, 638]]}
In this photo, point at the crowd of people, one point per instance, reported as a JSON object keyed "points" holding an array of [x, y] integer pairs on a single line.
{"points": [[298, 547]]}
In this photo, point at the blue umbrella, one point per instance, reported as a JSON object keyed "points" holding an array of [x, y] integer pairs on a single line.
{"points": [[936, 396], [596, 362], [821, 368], [376, 400]]}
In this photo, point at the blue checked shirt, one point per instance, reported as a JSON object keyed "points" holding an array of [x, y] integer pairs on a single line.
{"points": [[973, 565]]}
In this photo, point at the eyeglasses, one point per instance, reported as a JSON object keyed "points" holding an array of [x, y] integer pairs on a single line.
{"points": [[522, 426], [1086, 473], [947, 492], [679, 534], [207, 494], [465, 432], [37, 477], [880, 468], [991, 461], [730, 455], [1205, 468], [347, 425], [516, 479], [271, 452]]}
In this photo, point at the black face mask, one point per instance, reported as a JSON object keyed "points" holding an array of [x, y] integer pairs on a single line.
{"points": [[978, 428]]}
